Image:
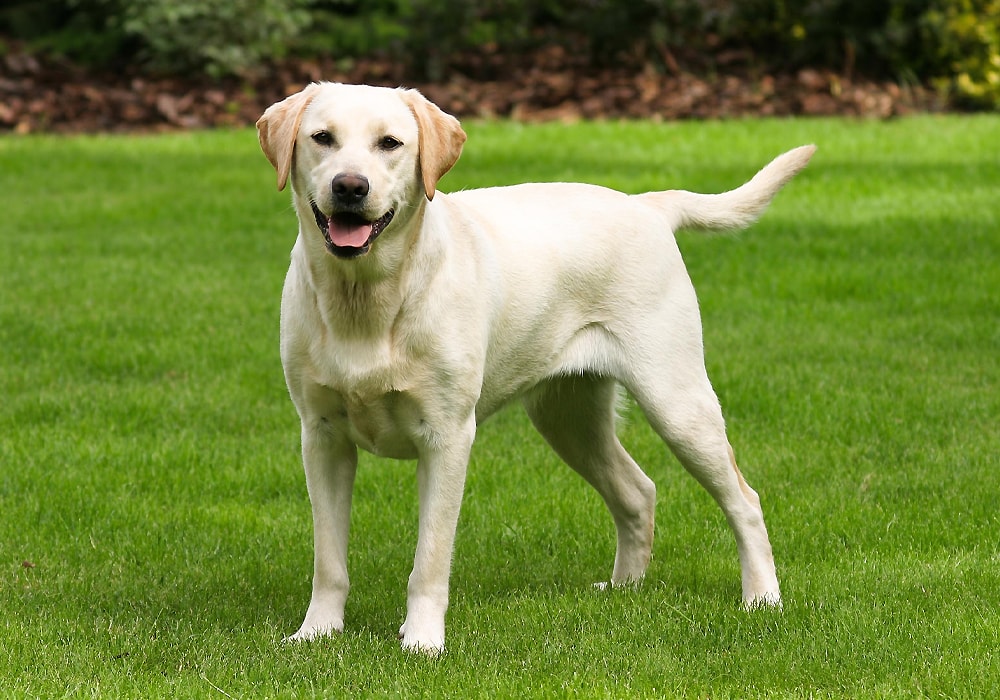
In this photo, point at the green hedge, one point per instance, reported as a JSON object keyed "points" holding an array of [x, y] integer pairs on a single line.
{"points": [[965, 35], [954, 44]]}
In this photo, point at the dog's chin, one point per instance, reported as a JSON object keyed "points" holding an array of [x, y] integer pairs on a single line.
{"points": [[347, 234]]}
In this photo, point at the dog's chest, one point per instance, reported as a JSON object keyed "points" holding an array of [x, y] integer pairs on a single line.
{"points": [[366, 390], [383, 424]]}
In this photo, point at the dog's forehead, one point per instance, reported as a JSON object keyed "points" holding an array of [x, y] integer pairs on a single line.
{"points": [[347, 108]]}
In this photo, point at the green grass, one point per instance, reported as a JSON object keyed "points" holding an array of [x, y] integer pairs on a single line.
{"points": [[149, 465]]}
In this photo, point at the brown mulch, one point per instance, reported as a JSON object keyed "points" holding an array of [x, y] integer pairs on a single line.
{"points": [[51, 95]]}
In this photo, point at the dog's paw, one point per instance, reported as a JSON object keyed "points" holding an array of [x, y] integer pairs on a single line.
{"points": [[429, 643], [767, 600], [308, 631], [625, 584]]}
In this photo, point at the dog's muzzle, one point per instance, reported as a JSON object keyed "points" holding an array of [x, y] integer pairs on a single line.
{"points": [[348, 234]]}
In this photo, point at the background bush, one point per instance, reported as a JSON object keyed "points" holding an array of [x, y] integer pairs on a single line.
{"points": [[966, 37], [217, 36], [954, 44]]}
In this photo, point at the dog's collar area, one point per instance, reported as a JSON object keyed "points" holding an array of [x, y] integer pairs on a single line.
{"points": [[349, 220]]}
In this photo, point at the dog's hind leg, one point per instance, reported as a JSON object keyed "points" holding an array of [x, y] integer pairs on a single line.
{"points": [[576, 415], [689, 419]]}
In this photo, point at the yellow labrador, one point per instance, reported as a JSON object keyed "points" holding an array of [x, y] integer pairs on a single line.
{"points": [[409, 316]]}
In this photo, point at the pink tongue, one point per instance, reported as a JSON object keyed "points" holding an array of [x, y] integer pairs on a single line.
{"points": [[349, 235]]}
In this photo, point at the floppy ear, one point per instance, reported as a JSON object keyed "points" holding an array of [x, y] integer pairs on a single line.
{"points": [[278, 128], [440, 138]]}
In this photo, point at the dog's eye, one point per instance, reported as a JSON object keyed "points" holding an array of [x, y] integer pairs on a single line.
{"points": [[389, 143], [323, 138]]}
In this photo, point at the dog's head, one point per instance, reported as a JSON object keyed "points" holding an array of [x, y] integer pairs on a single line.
{"points": [[358, 156]]}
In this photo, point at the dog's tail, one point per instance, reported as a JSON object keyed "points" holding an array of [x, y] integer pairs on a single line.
{"points": [[737, 208]]}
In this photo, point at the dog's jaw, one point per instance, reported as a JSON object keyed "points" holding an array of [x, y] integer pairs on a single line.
{"points": [[343, 219]]}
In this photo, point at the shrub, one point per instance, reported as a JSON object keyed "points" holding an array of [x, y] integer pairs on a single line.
{"points": [[965, 35], [215, 36], [87, 31], [955, 43]]}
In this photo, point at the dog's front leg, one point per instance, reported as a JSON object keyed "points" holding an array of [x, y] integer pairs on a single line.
{"points": [[441, 469], [330, 462]]}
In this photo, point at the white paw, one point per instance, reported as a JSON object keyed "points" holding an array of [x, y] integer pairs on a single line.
{"points": [[308, 632], [628, 583], [768, 599], [429, 642]]}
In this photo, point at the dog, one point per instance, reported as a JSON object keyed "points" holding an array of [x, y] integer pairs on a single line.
{"points": [[409, 316]]}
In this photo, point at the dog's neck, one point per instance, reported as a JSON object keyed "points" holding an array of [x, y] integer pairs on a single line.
{"points": [[361, 297]]}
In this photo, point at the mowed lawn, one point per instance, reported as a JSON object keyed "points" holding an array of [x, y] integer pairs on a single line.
{"points": [[155, 533]]}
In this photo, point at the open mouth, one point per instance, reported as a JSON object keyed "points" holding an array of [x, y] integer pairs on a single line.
{"points": [[347, 234]]}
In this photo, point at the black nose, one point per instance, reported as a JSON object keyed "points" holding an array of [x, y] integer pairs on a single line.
{"points": [[350, 188]]}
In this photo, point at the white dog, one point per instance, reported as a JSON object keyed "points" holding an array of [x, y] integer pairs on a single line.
{"points": [[409, 316]]}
